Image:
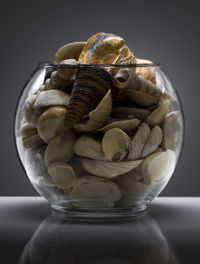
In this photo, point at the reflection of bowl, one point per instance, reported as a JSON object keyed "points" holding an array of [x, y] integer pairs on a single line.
{"points": [[106, 143], [139, 241]]}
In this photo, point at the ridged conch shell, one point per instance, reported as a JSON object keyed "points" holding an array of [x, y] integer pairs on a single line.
{"points": [[60, 148], [146, 72], [98, 116], [159, 114], [108, 169], [138, 141], [104, 48], [130, 112], [63, 77], [62, 175], [89, 147], [171, 131], [90, 86], [115, 144], [158, 166], [91, 191], [138, 89], [69, 51], [51, 98], [126, 125], [51, 122], [153, 141], [30, 137]]}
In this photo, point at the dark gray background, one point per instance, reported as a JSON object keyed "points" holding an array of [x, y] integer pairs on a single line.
{"points": [[164, 31]]}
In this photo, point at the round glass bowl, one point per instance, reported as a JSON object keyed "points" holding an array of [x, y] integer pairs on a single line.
{"points": [[99, 140]]}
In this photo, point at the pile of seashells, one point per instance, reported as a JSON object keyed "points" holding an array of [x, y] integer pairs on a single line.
{"points": [[103, 135]]}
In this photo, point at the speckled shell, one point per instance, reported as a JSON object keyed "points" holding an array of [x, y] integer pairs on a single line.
{"points": [[90, 86], [104, 48]]}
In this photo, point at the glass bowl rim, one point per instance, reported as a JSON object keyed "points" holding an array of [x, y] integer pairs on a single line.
{"points": [[55, 65]]}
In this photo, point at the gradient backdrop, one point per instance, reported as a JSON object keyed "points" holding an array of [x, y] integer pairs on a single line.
{"points": [[164, 31]]}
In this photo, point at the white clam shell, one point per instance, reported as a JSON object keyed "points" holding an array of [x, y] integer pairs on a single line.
{"points": [[51, 98], [130, 112], [89, 147], [115, 144], [51, 122], [60, 148], [69, 51], [98, 116], [62, 175], [108, 169], [138, 141]]}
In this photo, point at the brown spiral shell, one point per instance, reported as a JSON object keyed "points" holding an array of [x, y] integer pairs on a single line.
{"points": [[90, 86]]}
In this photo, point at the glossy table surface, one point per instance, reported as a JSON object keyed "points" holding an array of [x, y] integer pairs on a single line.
{"points": [[169, 233]]}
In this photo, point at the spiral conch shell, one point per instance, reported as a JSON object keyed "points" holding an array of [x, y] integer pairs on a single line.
{"points": [[104, 48]]}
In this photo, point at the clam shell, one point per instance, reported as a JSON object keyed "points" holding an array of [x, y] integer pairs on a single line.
{"points": [[138, 141], [62, 175], [32, 142], [171, 131], [158, 166], [147, 72], [51, 122], [69, 51], [91, 191], [98, 116], [60, 148], [126, 125], [27, 130], [91, 84], [89, 147], [153, 141], [50, 98], [130, 112], [104, 48], [108, 169], [159, 114], [28, 108], [115, 144]]}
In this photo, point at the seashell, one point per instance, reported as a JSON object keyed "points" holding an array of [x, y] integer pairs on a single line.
{"points": [[63, 77], [32, 142], [62, 175], [126, 125], [153, 141], [130, 112], [69, 51], [104, 48], [92, 191], [138, 141], [91, 84], [108, 169], [115, 144], [159, 114], [60, 148], [27, 130], [147, 72], [98, 116], [75, 163], [89, 147], [28, 108], [171, 131], [138, 89], [51, 122], [158, 166], [50, 98]]}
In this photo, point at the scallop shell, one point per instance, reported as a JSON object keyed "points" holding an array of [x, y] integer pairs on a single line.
{"points": [[115, 144], [138, 89], [92, 191], [108, 169], [98, 116], [69, 51], [89, 147], [62, 175], [138, 141], [147, 72], [104, 48], [130, 112], [126, 125], [91, 84], [51, 122]]}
